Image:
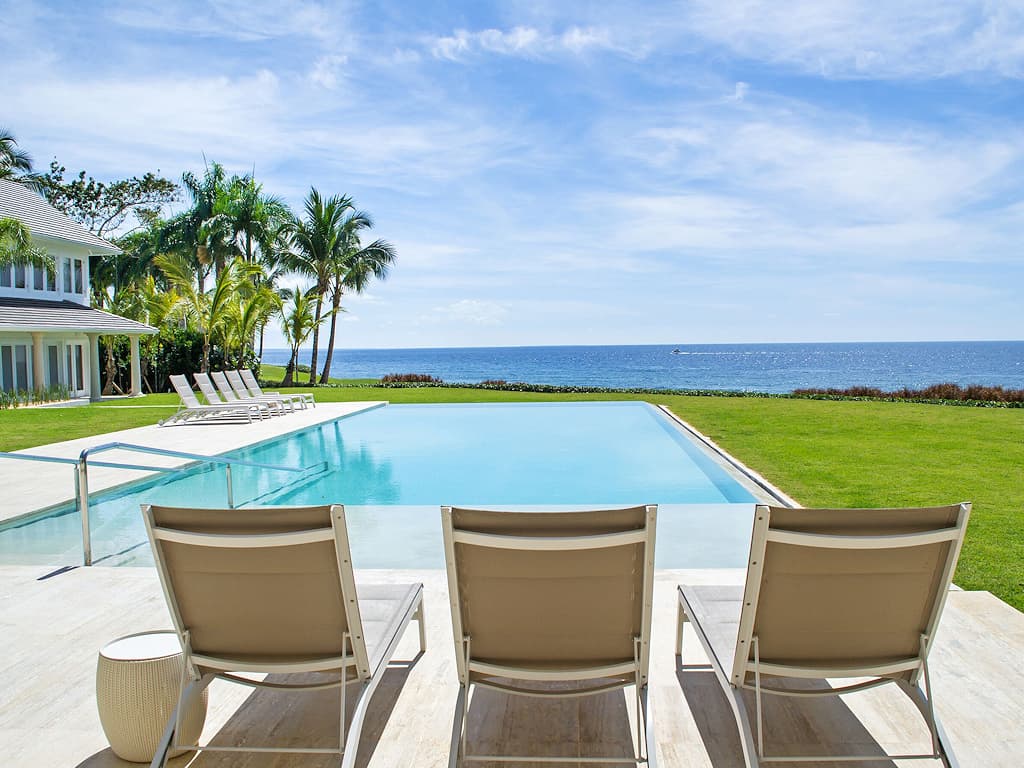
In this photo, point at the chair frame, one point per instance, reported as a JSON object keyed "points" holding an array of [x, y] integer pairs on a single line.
{"points": [[733, 684], [355, 667], [635, 672], [234, 380]]}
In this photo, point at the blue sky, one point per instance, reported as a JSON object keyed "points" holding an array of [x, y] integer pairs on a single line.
{"points": [[583, 173]]}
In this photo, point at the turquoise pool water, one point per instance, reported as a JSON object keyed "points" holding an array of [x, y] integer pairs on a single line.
{"points": [[394, 466]]}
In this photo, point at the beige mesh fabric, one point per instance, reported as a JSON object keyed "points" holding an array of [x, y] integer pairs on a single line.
{"points": [[849, 607], [262, 603], [561, 608]]}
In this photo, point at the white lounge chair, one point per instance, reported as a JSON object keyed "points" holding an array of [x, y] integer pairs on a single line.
{"points": [[224, 387], [540, 597], [210, 393], [191, 409], [272, 591], [830, 594], [253, 386], [239, 388]]}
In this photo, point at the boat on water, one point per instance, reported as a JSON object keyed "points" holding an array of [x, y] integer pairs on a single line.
{"points": [[677, 351]]}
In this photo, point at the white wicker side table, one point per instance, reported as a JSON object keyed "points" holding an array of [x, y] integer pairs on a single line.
{"points": [[137, 684]]}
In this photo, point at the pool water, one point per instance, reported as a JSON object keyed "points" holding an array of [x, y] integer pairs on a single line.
{"points": [[393, 467]]}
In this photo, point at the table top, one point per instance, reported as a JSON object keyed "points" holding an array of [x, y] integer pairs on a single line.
{"points": [[144, 646]]}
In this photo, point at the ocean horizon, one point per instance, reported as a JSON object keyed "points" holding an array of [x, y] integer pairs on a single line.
{"points": [[777, 368]]}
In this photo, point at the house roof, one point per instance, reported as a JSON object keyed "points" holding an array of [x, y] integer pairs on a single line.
{"points": [[19, 202], [38, 315]]}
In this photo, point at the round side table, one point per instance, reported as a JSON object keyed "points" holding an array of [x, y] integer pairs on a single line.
{"points": [[137, 686]]}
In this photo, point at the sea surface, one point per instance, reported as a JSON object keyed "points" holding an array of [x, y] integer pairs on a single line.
{"points": [[744, 367]]}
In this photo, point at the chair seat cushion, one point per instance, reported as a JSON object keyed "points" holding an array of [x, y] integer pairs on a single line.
{"points": [[716, 611]]}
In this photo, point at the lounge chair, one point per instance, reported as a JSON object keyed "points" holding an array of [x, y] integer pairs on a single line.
{"points": [[210, 393], [228, 393], [272, 591], [253, 386], [540, 597], [191, 409], [830, 594], [285, 401]]}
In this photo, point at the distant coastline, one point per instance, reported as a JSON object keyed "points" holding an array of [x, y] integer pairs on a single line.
{"points": [[779, 367]]}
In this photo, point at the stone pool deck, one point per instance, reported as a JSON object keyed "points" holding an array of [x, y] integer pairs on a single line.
{"points": [[53, 627], [32, 485]]}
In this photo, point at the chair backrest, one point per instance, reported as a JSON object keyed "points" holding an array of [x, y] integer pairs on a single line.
{"points": [[181, 386], [222, 384], [846, 590], [269, 586], [250, 381], [237, 384], [207, 388], [553, 590]]}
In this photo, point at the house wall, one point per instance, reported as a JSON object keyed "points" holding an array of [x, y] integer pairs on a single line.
{"points": [[70, 283], [65, 360]]}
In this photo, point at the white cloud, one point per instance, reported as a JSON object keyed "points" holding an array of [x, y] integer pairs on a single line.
{"points": [[474, 311], [518, 41], [327, 70]]}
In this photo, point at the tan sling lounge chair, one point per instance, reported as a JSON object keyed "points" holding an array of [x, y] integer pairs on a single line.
{"points": [[831, 594], [541, 597], [192, 410], [210, 393], [272, 591]]}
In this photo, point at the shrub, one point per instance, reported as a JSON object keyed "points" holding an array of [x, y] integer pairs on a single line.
{"points": [[409, 378]]}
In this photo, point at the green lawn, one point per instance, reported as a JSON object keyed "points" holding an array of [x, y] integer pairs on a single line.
{"points": [[820, 452]]}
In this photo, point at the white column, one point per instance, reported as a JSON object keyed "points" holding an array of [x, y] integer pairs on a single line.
{"points": [[136, 367], [38, 379], [95, 388]]}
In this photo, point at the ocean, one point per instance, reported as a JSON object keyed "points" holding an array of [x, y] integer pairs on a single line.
{"points": [[744, 367]]}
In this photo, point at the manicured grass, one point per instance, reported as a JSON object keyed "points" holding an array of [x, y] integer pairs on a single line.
{"points": [[823, 453]]}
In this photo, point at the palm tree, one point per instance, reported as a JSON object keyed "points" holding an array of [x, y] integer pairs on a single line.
{"points": [[16, 164], [188, 232], [209, 312], [16, 247], [318, 241], [353, 271], [297, 322]]}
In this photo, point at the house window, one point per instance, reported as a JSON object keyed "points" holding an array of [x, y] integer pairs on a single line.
{"points": [[21, 366], [38, 277], [51, 280], [52, 365], [5, 276], [79, 382], [19, 275], [79, 277], [65, 268], [7, 369]]}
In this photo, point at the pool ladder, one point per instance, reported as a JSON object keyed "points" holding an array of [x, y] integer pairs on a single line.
{"points": [[81, 465]]}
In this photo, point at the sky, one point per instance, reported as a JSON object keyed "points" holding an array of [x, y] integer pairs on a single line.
{"points": [[582, 172]]}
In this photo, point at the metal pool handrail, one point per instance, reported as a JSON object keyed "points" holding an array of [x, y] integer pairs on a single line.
{"points": [[82, 463], [82, 477]]}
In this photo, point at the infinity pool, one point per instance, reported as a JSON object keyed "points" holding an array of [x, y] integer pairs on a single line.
{"points": [[394, 466]]}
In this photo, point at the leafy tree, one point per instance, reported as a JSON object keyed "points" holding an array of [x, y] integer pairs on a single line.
{"points": [[15, 163], [209, 312], [102, 207], [16, 247], [352, 271], [318, 243], [297, 322]]}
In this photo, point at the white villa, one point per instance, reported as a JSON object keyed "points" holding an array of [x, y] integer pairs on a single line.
{"points": [[49, 334]]}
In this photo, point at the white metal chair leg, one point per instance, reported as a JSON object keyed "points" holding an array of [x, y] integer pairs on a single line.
{"points": [[682, 618], [747, 742], [421, 621], [185, 698], [920, 700], [648, 725], [455, 753]]}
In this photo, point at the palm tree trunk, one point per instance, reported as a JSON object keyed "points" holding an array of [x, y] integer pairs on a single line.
{"points": [[335, 305], [316, 338], [206, 354], [289, 372], [111, 369]]}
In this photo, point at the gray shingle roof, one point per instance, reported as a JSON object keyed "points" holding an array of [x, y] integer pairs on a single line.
{"points": [[39, 315], [41, 218]]}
